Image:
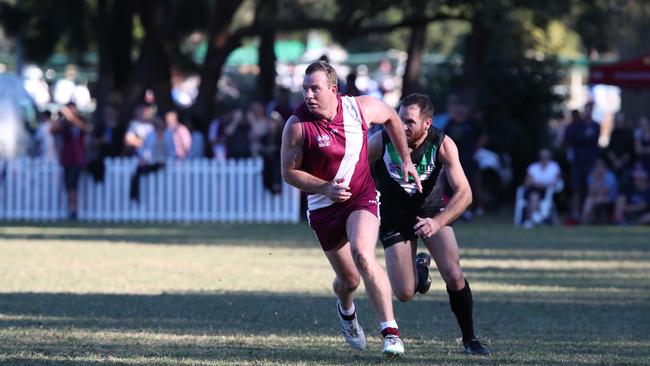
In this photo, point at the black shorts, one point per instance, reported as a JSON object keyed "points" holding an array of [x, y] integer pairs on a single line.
{"points": [[400, 228], [71, 176]]}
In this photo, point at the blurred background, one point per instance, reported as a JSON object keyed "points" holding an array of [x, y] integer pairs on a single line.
{"points": [[173, 110]]}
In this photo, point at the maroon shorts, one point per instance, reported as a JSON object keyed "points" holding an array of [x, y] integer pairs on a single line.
{"points": [[329, 223]]}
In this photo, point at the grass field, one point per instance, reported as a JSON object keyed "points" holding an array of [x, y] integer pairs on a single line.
{"points": [[208, 294]]}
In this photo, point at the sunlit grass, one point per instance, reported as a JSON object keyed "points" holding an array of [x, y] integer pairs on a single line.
{"points": [[242, 294]]}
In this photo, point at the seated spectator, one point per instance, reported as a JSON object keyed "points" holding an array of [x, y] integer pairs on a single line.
{"points": [[216, 137], [179, 135], [237, 134], [633, 206], [601, 194], [197, 149], [541, 175], [642, 142], [157, 147], [138, 129], [620, 150], [259, 127]]}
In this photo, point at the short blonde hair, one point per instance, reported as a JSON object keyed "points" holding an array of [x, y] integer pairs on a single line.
{"points": [[323, 66]]}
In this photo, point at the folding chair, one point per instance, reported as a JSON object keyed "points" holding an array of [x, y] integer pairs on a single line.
{"points": [[545, 213]]}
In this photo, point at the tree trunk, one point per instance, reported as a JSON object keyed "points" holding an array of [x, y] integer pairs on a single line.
{"points": [[121, 41], [266, 79], [474, 54], [219, 47], [411, 83]]}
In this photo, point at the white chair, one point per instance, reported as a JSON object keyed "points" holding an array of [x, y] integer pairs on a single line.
{"points": [[545, 211]]}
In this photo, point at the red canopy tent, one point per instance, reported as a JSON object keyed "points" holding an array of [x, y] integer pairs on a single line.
{"points": [[633, 73]]}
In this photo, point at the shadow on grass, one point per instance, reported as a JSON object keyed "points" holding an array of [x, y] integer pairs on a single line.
{"points": [[297, 328]]}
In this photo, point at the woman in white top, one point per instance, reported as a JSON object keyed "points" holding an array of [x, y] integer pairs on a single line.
{"points": [[541, 176]]}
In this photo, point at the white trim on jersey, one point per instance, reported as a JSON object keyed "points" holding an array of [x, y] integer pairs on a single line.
{"points": [[354, 139]]}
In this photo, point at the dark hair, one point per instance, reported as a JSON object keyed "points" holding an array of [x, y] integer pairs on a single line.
{"points": [[420, 100], [323, 66]]}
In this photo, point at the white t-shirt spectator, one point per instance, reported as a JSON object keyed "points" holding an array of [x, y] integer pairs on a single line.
{"points": [[544, 175]]}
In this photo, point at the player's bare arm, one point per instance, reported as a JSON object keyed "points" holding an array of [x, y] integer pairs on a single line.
{"points": [[375, 147], [460, 199], [376, 111], [291, 159]]}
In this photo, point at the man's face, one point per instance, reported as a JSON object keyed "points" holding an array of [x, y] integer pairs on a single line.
{"points": [[318, 94], [414, 127]]}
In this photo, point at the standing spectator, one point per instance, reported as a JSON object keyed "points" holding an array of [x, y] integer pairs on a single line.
{"points": [[642, 142], [469, 136], [271, 143], [601, 193], [72, 128], [542, 175], [45, 143], [633, 206], [139, 128], [581, 142], [179, 135], [620, 150]]}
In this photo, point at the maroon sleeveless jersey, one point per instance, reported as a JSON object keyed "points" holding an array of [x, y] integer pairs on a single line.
{"points": [[337, 150]]}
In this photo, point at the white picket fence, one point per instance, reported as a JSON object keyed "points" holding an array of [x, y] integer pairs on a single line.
{"points": [[191, 190]]}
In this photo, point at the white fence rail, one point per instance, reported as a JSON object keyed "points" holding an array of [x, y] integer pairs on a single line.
{"points": [[191, 190]]}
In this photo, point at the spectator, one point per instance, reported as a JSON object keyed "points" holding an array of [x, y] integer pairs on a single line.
{"points": [[642, 142], [157, 147], [581, 142], [237, 133], [281, 104], [620, 150], [259, 123], [350, 85], [469, 136], [45, 143], [272, 172], [138, 129], [542, 175], [633, 206], [601, 194], [178, 134], [197, 149], [216, 137], [72, 128]]}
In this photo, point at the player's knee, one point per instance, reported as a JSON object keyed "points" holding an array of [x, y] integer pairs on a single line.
{"points": [[404, 295], [362, 260], [454, 278], [348, 284]]}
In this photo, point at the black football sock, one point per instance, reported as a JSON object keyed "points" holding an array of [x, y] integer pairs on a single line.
{"points": [[461, 305]]}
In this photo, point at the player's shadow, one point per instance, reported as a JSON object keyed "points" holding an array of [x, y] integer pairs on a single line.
{"points": [[250, 326]]}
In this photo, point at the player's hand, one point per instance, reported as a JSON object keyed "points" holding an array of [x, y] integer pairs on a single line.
{"points": [[409, 171], [426, 227], [337, 191]]}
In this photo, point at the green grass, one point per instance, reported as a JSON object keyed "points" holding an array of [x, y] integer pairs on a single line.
{"points": [[249, 294]]}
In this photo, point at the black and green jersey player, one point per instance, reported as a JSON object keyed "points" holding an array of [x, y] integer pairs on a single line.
{"points": [[407, 214]]}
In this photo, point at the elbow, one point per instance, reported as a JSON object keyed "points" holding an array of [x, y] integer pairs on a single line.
{"points": [[467, 197]]}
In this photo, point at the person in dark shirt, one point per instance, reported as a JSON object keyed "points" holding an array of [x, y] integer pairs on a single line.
{"points": [[620, 151], [633, 206], [581, 142], [469, 136]]}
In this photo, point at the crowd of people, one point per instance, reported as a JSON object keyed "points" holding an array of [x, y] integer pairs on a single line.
{"points": [[607, 185]]}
